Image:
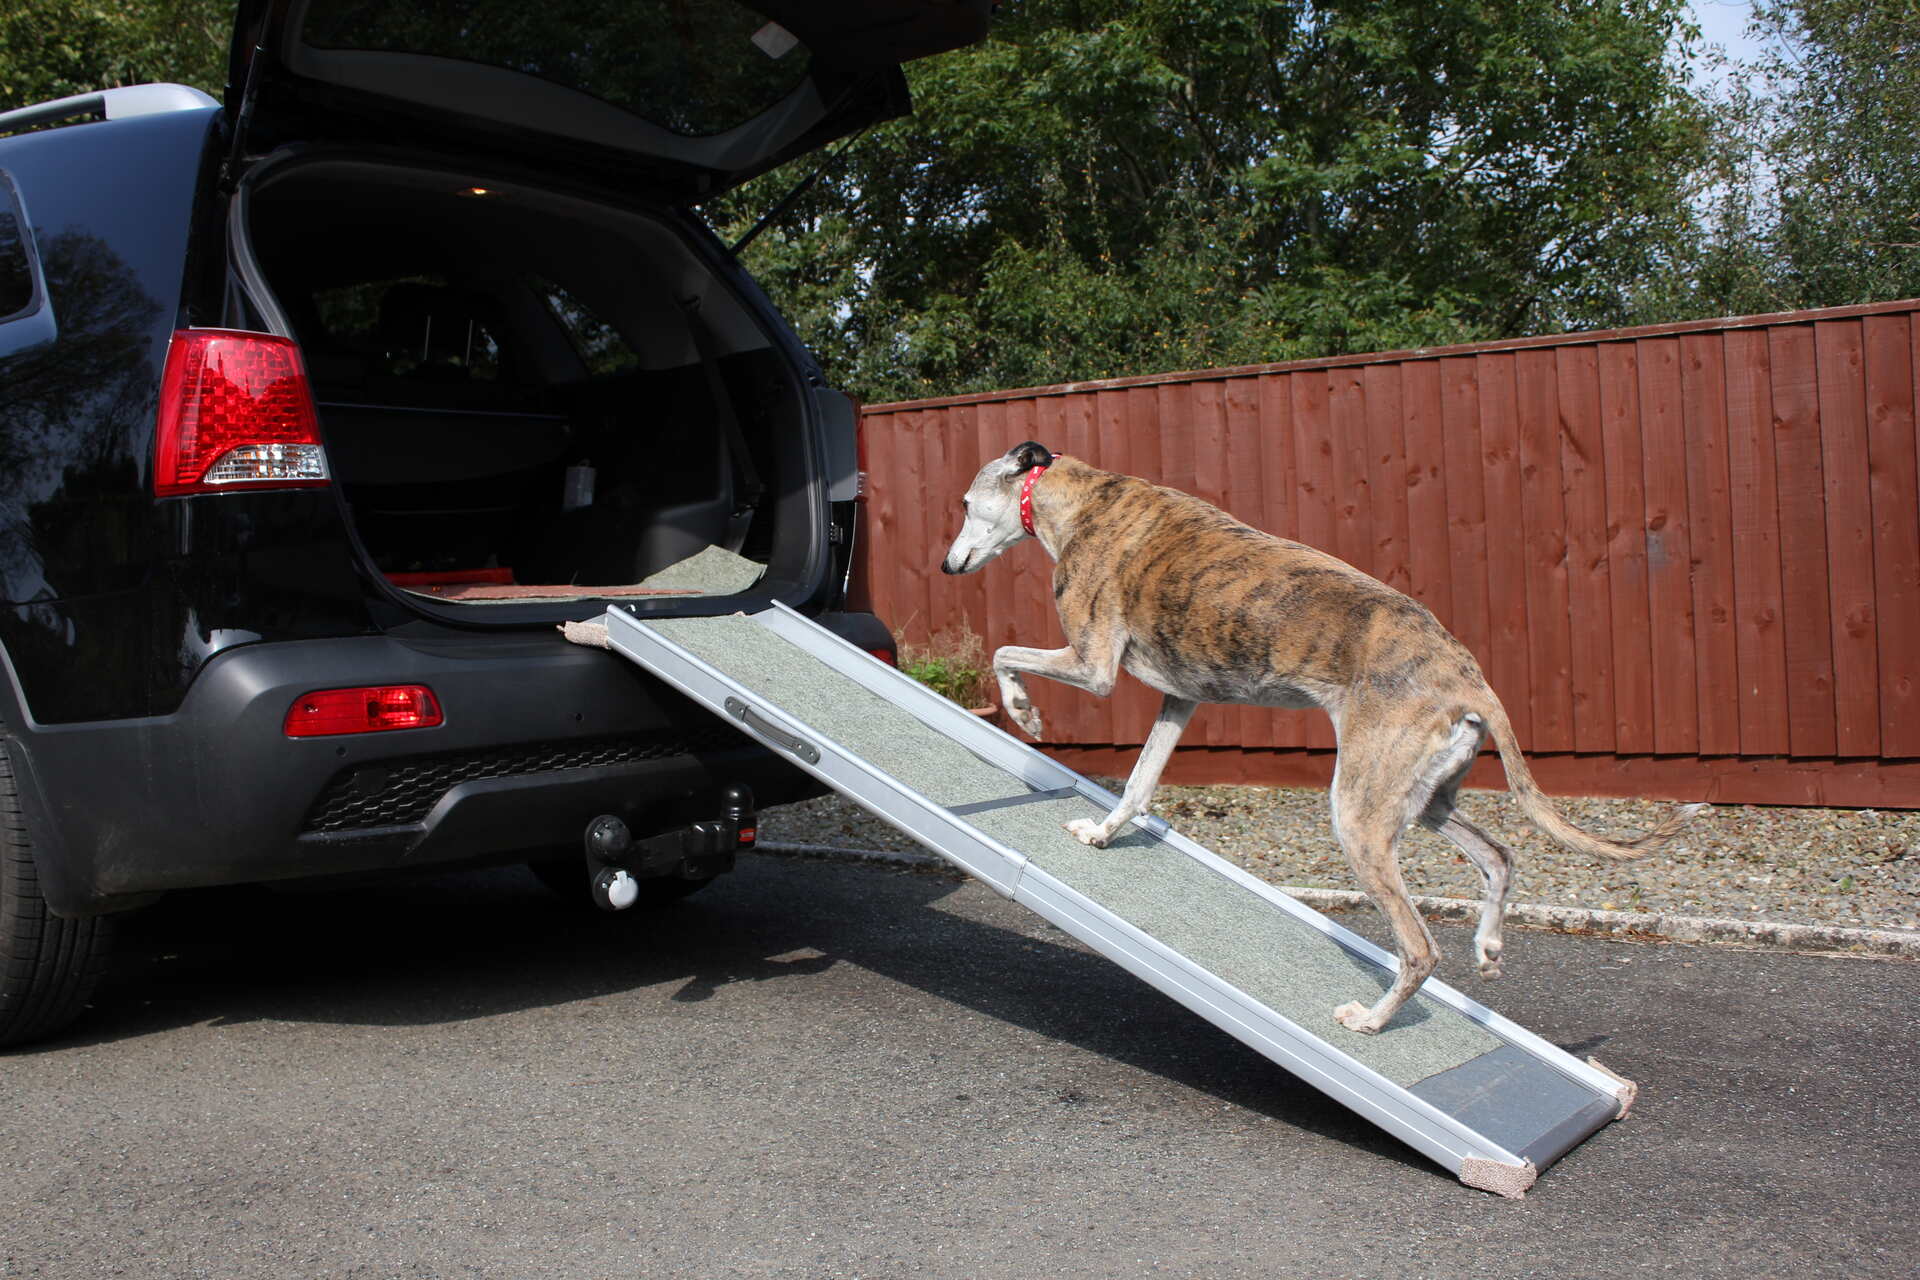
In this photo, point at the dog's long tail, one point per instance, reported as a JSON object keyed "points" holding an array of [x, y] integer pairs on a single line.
{"points": [[1540, 811]]}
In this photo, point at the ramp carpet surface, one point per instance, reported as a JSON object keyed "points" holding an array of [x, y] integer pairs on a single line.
{"points": [[1207, 916]]}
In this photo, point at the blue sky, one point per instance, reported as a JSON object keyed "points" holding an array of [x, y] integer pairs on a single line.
{"points": [[1724, 22]]}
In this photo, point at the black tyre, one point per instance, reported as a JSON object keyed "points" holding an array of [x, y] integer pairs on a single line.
{"points": [[48, 966], [566, 875]]}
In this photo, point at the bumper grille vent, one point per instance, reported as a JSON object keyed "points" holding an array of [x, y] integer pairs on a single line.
{"points": [[403, 790]]}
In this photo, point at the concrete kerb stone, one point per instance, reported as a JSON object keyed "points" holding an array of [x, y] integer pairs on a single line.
{"points": [[1647, 926], [1636, 926]]}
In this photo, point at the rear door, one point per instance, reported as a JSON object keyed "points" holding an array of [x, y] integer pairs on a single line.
{"points": [[686, 98]]}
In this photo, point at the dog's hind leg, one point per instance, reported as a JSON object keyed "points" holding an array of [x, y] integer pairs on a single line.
{"points": [[1393, 769], [1495, 861], [1167, 727], [1369, 839]]}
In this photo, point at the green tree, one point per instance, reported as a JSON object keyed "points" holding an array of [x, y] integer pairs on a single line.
{"points": [[1814, 185], [56, 48], [1121, 188]]}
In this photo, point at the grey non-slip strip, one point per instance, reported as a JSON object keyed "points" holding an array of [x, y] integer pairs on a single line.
{"points": [[1007, 802]]}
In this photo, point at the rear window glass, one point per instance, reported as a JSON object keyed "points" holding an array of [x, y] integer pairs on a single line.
{"points": [[599, 344], [16, 268], [418, 326], [695, 67]]}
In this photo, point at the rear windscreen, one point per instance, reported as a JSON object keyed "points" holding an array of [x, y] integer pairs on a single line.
{"points": [[695, 67]]}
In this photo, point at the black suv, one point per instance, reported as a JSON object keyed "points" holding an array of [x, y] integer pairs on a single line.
{"points": [[319, 411]]}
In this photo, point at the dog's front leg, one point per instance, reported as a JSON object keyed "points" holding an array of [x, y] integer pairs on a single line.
{"points": [[1068, 666], [1145, 778]]}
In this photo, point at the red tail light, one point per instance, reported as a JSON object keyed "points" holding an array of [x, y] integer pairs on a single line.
{"points": [[235, 412], [372, 709]]}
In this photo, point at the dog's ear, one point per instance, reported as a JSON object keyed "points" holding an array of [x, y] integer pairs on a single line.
{"points": [[1030, 454]]}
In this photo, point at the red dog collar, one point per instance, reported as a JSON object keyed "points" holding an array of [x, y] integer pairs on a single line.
{"points": [[1026, 498]]}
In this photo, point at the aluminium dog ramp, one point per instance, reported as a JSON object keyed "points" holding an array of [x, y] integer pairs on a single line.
{"points": [[1485, 1098]]}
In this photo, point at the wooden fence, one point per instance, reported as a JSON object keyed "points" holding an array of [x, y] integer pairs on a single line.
{"points": [[1687, 556]]}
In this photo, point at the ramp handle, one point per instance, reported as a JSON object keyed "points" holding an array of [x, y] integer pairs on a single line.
{"points": [[768, 729]]}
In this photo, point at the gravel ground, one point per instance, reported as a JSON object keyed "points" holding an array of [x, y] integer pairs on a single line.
{"points": [[1858, 868]]}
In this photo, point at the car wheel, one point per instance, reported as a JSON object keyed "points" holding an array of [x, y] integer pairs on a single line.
{"points": [[566, 875], [49, 966]]}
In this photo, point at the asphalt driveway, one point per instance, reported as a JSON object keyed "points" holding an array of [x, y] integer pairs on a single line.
{"points": [[824, 1070]]}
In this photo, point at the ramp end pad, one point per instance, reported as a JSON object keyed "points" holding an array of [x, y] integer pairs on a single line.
{"points": [[1507, 1180], [591, 634], [1629, 1091], [1518, 1101]]}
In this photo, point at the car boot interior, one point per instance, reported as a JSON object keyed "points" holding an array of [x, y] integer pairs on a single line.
{"points": [[525, 393]]}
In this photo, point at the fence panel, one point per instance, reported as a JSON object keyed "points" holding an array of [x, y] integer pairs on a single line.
{"points": [[1543, 517], [1889, 374], [1688, 556], [1760, 637], [1625, 463], [1803, 541], [1589, 576]]}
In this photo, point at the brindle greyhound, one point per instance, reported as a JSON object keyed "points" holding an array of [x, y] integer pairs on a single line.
{"points": [[1206, 609]]}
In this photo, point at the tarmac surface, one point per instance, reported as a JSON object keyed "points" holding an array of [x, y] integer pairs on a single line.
{"points": [[816, 1069]]}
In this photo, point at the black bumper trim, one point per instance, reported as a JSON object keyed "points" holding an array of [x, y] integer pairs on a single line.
{"points": [[217, 794]]}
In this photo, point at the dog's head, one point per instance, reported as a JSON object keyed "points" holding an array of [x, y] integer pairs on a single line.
{"points": [[992, 505]]}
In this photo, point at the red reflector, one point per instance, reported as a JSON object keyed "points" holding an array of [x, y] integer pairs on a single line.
{"points": [[749, 834], [368, 710], [888, 656], [235, 411]]}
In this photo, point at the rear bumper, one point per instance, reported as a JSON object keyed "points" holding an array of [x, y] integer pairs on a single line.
{"points": [[540, 736]]}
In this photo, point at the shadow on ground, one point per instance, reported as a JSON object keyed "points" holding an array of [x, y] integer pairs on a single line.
{"points": [[461, 946]]}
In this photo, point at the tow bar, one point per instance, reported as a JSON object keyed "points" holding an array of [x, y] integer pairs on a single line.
{"points": [[617, 862]]}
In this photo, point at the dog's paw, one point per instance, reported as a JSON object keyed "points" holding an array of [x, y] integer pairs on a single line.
{"points": [[1087, 831], [1353, 1016], [1023, 714], [1490, 961]]}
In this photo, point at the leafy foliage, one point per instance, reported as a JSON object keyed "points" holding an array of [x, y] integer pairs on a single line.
{"points": [[1109, 187], [1815, 174], [1113, 187], [56, 48], [954, 664]]}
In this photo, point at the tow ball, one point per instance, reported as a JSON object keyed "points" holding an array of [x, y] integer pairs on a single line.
{"points": [[617, 862]]}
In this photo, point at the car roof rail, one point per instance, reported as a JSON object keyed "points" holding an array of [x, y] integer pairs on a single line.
{"points": [[108, 104]]}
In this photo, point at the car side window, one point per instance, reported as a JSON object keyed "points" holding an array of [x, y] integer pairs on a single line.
{"points": [[16, 269], [599, 345], [25, 318]]}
